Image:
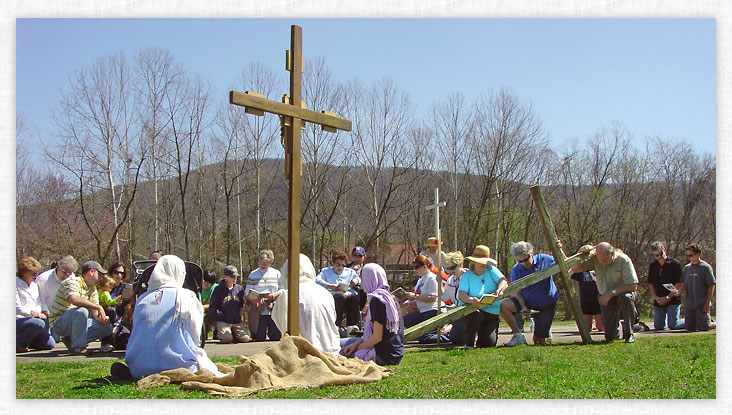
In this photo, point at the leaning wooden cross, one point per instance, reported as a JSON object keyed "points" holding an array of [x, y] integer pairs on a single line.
{"points": [[292, 114], [561, 266]]}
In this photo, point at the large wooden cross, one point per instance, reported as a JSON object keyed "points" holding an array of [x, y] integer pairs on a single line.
{"points": [[293, 115]]}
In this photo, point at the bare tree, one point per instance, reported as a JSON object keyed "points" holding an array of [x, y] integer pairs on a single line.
{"points": [[100, 147], [156, 73], [186, 106], [381, 118]]}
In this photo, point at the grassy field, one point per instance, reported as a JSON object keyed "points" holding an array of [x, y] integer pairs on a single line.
{"points": [[662, 367]]}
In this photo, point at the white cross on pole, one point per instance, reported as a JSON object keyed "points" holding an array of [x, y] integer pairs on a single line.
{"points": [[436, 206]]}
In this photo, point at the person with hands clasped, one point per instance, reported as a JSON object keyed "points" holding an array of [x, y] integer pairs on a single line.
{"points": [[481, 278], [698, 281]]}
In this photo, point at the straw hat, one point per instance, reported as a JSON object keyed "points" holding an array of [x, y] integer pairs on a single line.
{"points": [[482, 255], [432, 241]]}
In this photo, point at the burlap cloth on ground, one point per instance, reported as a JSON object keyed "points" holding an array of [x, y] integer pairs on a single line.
{"points": [[292, 363]]}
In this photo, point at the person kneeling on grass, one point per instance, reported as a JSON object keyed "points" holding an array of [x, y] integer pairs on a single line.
{"points": [[168, 321], [483, 277], [383, 334]]}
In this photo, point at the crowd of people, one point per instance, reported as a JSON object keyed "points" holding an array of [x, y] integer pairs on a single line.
{"points": [[346, 309]]}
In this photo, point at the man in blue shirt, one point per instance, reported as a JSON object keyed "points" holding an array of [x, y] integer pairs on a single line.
{"points": [[541, 296]]}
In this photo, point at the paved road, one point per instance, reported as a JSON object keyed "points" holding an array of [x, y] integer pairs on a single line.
{"points": [[560, 334]]}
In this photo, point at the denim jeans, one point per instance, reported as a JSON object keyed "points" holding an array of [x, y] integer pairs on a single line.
{"points": [[33, 333], [670, 312], [82, 329]]}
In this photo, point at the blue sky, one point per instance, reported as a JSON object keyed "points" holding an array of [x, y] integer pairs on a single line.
{"points": [[654, 76]]}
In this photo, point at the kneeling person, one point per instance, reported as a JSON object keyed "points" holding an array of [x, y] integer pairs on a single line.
{"points": [[541, 296], [227, 302]]}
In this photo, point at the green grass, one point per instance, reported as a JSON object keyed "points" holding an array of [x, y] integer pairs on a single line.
{"points": [[661, 367]]}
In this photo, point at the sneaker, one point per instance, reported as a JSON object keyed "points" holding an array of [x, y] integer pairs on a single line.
{"points": [[516, 340], [106, 348], [351, 329], [342, 333], [630, 339]]}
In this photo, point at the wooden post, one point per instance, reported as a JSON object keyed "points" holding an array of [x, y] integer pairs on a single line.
{"points": [[436, 206], [560, 259], [295, 168]]}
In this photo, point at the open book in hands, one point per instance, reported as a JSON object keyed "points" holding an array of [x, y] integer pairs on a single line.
{"points": [[487, 299], [343, 287], [254, 294], [399, 294], [670, 287]]}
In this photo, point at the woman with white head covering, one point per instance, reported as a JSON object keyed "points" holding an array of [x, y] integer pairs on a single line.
{"points": [[168, 320], [383, 333], [317, 309]]}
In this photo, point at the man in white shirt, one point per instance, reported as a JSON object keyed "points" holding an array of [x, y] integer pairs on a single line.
{"points": [[49, 281]]}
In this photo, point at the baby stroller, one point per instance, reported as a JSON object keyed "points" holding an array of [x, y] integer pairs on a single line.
{"points": [[193, 281]]}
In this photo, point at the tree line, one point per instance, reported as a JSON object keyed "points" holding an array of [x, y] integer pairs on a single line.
{"points": [[146, 158]]}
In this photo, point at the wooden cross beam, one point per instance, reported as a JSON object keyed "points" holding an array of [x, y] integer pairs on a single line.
{"points": [[560, 259], [293, 115], [514, 287]]}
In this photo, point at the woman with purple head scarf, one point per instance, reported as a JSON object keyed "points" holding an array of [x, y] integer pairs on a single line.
{"points": [[383, 334]]}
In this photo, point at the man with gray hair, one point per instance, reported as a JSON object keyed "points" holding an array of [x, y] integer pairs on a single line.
{"points": [[49, 281], [617, 284], [263, 280], [541, 296], [662, 271]]}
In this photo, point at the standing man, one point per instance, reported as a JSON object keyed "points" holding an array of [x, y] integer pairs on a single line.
{"points": [[431, 252], [698, 281], [358, 257], [264, 279], [664, 270], [76, 315], [617, 284], [541, 296], [49, 281]]}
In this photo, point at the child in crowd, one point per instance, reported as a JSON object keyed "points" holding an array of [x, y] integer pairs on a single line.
{"points": [[104, 286]]}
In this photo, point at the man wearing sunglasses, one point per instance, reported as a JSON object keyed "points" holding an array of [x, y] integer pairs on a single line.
{"points": [[49, 281], [698, 281], [666, 304]]}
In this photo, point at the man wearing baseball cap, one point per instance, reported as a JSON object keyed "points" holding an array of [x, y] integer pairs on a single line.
{"points": [[75, 315]]}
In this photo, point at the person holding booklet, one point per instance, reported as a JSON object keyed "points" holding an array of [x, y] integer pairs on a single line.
{"points": [[261, 292], [481, 284], [341, 281], [424, 295], [541, 296]]}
